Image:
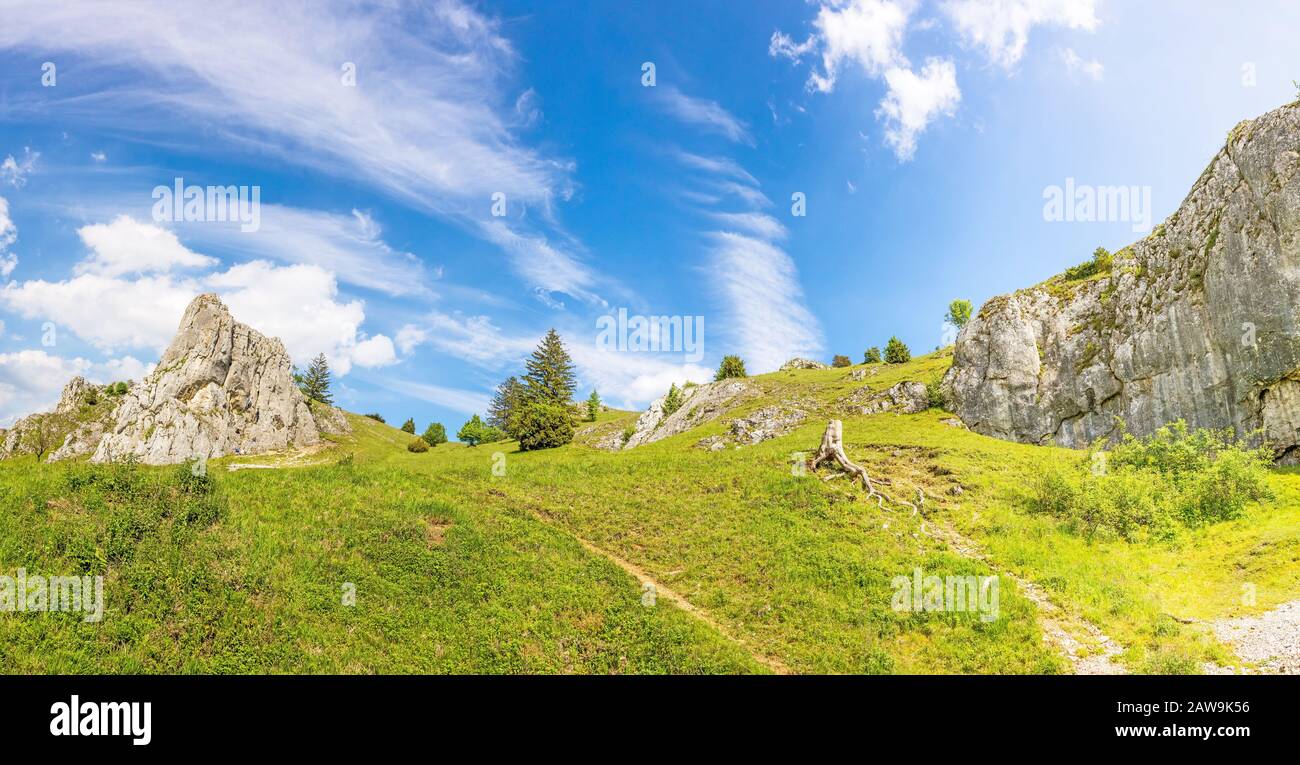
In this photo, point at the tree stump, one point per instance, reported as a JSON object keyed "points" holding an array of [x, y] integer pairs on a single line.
{"points": [[832, 450]]}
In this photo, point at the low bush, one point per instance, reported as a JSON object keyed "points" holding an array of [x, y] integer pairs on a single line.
{"points": [[1149, 488]]}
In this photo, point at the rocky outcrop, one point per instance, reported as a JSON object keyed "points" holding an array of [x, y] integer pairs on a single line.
{"points": [[756, 427], [220, 388], [330, 419], [72, 429], [700, 404], [1199, 321], [907, 397], [801, 363]]}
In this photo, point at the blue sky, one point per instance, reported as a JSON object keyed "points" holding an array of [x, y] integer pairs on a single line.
{"points": [[921, 135]]}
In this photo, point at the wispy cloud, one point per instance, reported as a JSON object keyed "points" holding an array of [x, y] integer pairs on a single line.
{"points": [[455, 399], [765, 308], [1076, 64], [764, 315], [703, 113], [409, 97], [14, 171], [349, 245]]}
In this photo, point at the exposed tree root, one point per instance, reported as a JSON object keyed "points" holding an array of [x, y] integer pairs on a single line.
{"points": [[832, 450]]}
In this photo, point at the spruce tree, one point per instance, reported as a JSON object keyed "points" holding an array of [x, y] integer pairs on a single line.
{"points": [[315, 384], [409, 426], [550, 376], [897, 352], [505, 402], [593, 406]]}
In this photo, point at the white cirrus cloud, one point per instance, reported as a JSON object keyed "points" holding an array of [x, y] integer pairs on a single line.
{"points": [[758, 224], [350, 246], [1001, 27], [455, 399], [474, 339], [8, 235], [703, 113], [409, 97], [766, 318]]}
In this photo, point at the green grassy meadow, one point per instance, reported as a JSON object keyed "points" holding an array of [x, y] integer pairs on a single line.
{"points": [[489, 560]]}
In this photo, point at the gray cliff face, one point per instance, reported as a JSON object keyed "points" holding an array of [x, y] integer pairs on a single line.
{"points": [[1199, 321], [221, 388]]}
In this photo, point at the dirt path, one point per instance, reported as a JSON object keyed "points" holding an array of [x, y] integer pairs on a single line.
{"points": [[665, 593], [1089, 650], [662, 592], [1269, 641]]}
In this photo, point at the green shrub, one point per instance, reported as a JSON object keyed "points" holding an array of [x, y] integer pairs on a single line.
{"points": [[1149, 488], [409, 426], [841, 361], [673, 401], [435, 434], [934, 393], [375, 416], [731, 366], [897, 352], [542, 425], [872, 356], [959, 312], [417, 445], [1101, 263], [475, 432]]}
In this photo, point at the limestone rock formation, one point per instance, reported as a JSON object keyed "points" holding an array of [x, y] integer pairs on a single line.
{"points": [[907, 397], [1199, 321], [700, 404], [802, 363], [221, 388], [756, 427]]}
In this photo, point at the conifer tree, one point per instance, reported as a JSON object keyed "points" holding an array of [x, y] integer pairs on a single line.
{"points": [[505, 402], [315, 384], [593, 406], [550, 376]]}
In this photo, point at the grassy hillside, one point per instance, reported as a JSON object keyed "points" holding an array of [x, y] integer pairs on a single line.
{"points": [[486, 559]]}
